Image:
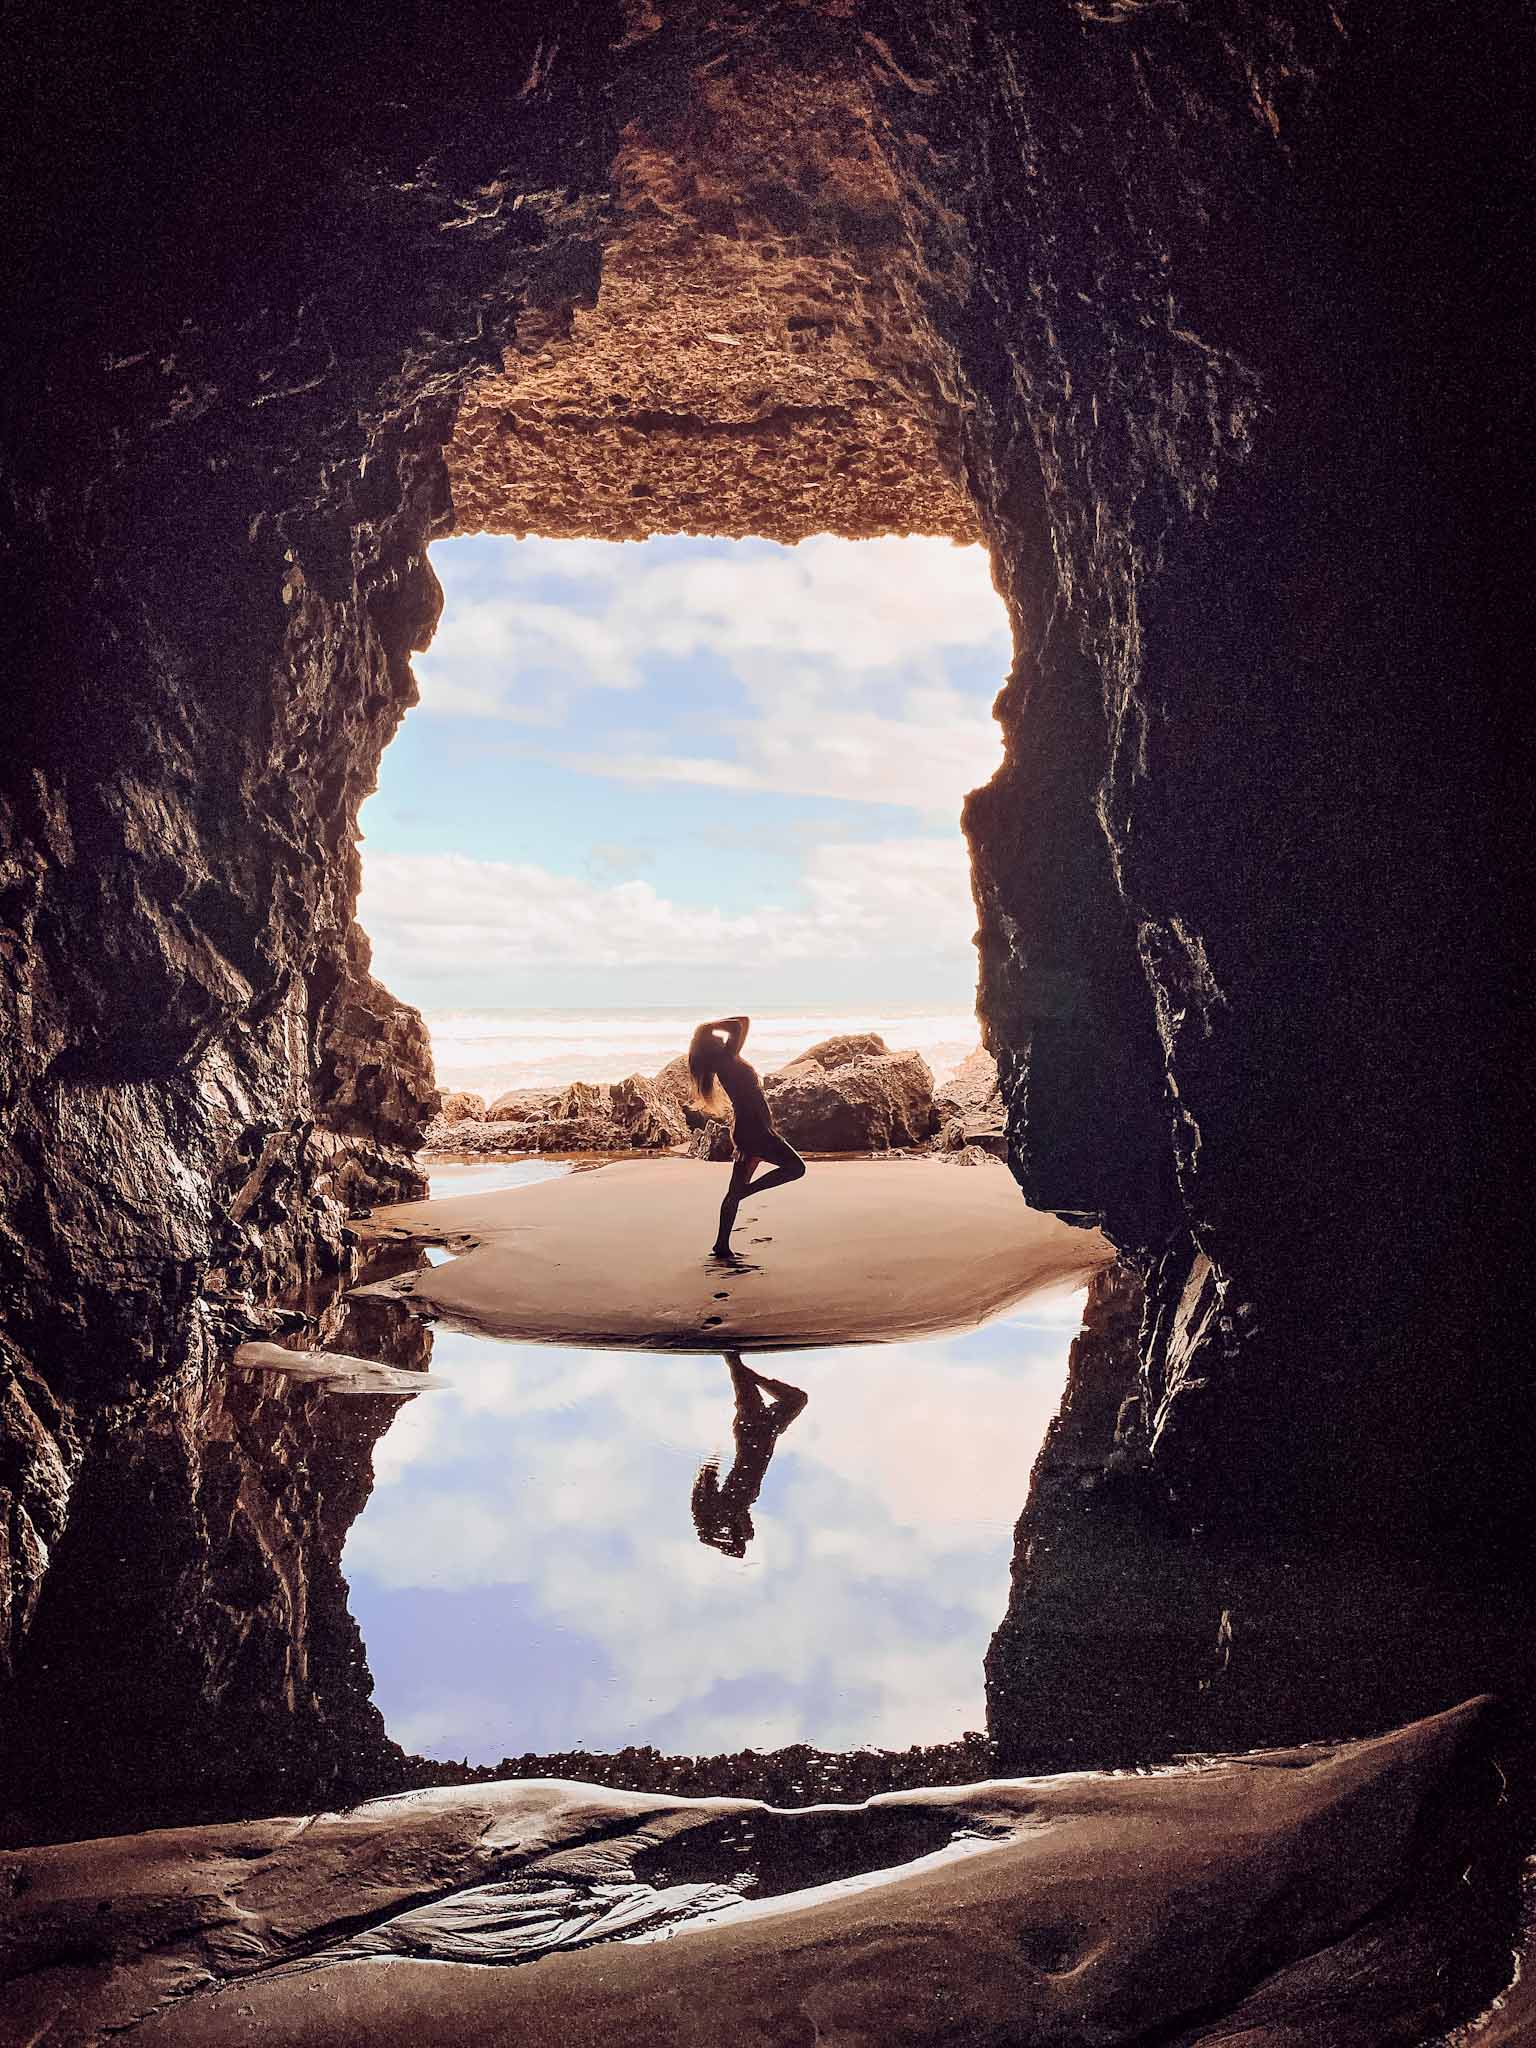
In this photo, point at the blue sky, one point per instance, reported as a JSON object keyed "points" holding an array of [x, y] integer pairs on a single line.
{"points": [[527, 1575], [636, 765]]}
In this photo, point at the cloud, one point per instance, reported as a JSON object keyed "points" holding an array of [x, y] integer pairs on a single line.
{"points": [[517, 658], [837, 650], [431, 912], [555, 1485], [934, 748]]}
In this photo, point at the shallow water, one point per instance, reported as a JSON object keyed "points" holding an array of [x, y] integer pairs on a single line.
{"points": [[537, 1569], [490, 1176]]}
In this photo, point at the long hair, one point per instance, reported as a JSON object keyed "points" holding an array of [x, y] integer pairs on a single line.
{"points": [[704, 1051]]}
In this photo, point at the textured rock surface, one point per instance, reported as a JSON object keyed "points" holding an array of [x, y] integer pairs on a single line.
{"points": [[846, 1094], [969, 1108], [752, 359], [245, 292], [1357, 1898], [1226, 343], [634, 1115], [192, 1652], [461, 1107], [853, 1101]]}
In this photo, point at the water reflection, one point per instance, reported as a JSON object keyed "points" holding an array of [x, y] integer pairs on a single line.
{"points": [[528, 1574], [765, 1408]]}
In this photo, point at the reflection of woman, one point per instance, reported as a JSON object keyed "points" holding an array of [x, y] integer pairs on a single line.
{"points": [[715, 1063], [764, 1410]]}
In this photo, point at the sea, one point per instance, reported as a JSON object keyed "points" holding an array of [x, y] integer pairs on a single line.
{"points": [[491, 1050]]}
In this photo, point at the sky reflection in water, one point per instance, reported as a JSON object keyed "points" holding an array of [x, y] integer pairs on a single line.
{"points": [[527, 1574]]}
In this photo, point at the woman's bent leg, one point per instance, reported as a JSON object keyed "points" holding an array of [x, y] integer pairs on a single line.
{"points": [[788, 1166]]}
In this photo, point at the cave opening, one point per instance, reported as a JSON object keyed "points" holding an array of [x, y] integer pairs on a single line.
{"points": [[682, 775], [646, 781]]}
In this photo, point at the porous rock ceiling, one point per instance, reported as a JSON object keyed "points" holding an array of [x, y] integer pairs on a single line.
{"points": [[753, 360]]}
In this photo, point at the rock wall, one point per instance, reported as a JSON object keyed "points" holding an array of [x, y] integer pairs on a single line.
{"points": [[1232, 362], [1200, 319], [247, 287]]}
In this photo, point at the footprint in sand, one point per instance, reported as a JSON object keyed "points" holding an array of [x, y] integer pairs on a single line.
{"points": [[710, 1322], [762, 1240], [723, 1295]]}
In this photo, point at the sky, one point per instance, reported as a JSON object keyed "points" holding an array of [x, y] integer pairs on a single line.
{"points": [[662, 771], [527, 1575]]}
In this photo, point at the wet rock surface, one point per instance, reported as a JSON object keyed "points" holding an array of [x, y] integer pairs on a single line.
{"points": [[1361, 1895]]}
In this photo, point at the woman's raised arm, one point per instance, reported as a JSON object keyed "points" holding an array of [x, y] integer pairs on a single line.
{"points": [[735, 1029]]}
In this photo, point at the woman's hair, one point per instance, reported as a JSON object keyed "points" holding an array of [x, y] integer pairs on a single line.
{"points": [[719, 1527], [704, 1051]]}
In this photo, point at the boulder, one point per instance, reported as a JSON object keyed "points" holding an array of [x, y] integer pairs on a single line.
{"points": [[970, 1088], [969, 1108], [583, 1099], [837, 1052], [868, 1103], [649, 1118], [676, 1083], [712, 1140], [461, 1107], [518, 1105]]}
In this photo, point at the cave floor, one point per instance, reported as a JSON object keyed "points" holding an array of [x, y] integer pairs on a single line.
{"points": [[1339, 1896]]}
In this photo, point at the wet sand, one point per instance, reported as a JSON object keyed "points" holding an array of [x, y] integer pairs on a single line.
{"points": [[860, 1251]]}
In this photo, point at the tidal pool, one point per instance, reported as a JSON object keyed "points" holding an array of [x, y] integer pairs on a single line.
{"points": [[585, 1549]]}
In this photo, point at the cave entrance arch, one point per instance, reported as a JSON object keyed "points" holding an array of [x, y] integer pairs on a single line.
{"points": [[749, 360]]}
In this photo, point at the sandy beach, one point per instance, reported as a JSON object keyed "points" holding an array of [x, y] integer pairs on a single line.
{"points": [[860, 1251]]}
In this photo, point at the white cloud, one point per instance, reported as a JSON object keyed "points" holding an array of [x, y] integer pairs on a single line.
{"points": [[436, 911], [839, 647], [514, 658], [879, 1567], [928, 753]]}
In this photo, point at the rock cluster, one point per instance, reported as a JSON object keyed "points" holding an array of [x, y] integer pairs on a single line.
{"points": [[846, 1094]]}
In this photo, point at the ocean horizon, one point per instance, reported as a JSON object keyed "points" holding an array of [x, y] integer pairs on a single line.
{"points": [[489, 1050]]}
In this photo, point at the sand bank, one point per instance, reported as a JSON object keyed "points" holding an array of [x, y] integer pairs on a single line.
{"points": [[1352, 1897], [860, 1251]]}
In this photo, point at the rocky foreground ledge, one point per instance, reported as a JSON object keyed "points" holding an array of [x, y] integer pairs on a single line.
{"points": [[844, 1094], [1357, 1896]]}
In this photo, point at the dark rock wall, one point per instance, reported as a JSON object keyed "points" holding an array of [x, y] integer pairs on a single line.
{"points": [[1234, 342], [256, 256]]}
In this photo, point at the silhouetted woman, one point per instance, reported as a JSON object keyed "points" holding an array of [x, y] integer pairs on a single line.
{"points": [[716, 1064], [722, 1510]]}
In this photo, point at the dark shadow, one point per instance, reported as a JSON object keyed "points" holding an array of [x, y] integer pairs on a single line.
{"points": [[722, 1509]]}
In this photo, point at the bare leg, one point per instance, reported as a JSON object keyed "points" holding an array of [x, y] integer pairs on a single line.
{"points": [[789, 1166], [741, 1174], [772, 1401]]}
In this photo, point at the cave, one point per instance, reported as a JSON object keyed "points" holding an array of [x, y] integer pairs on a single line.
{"points": [[1202, 323]]}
